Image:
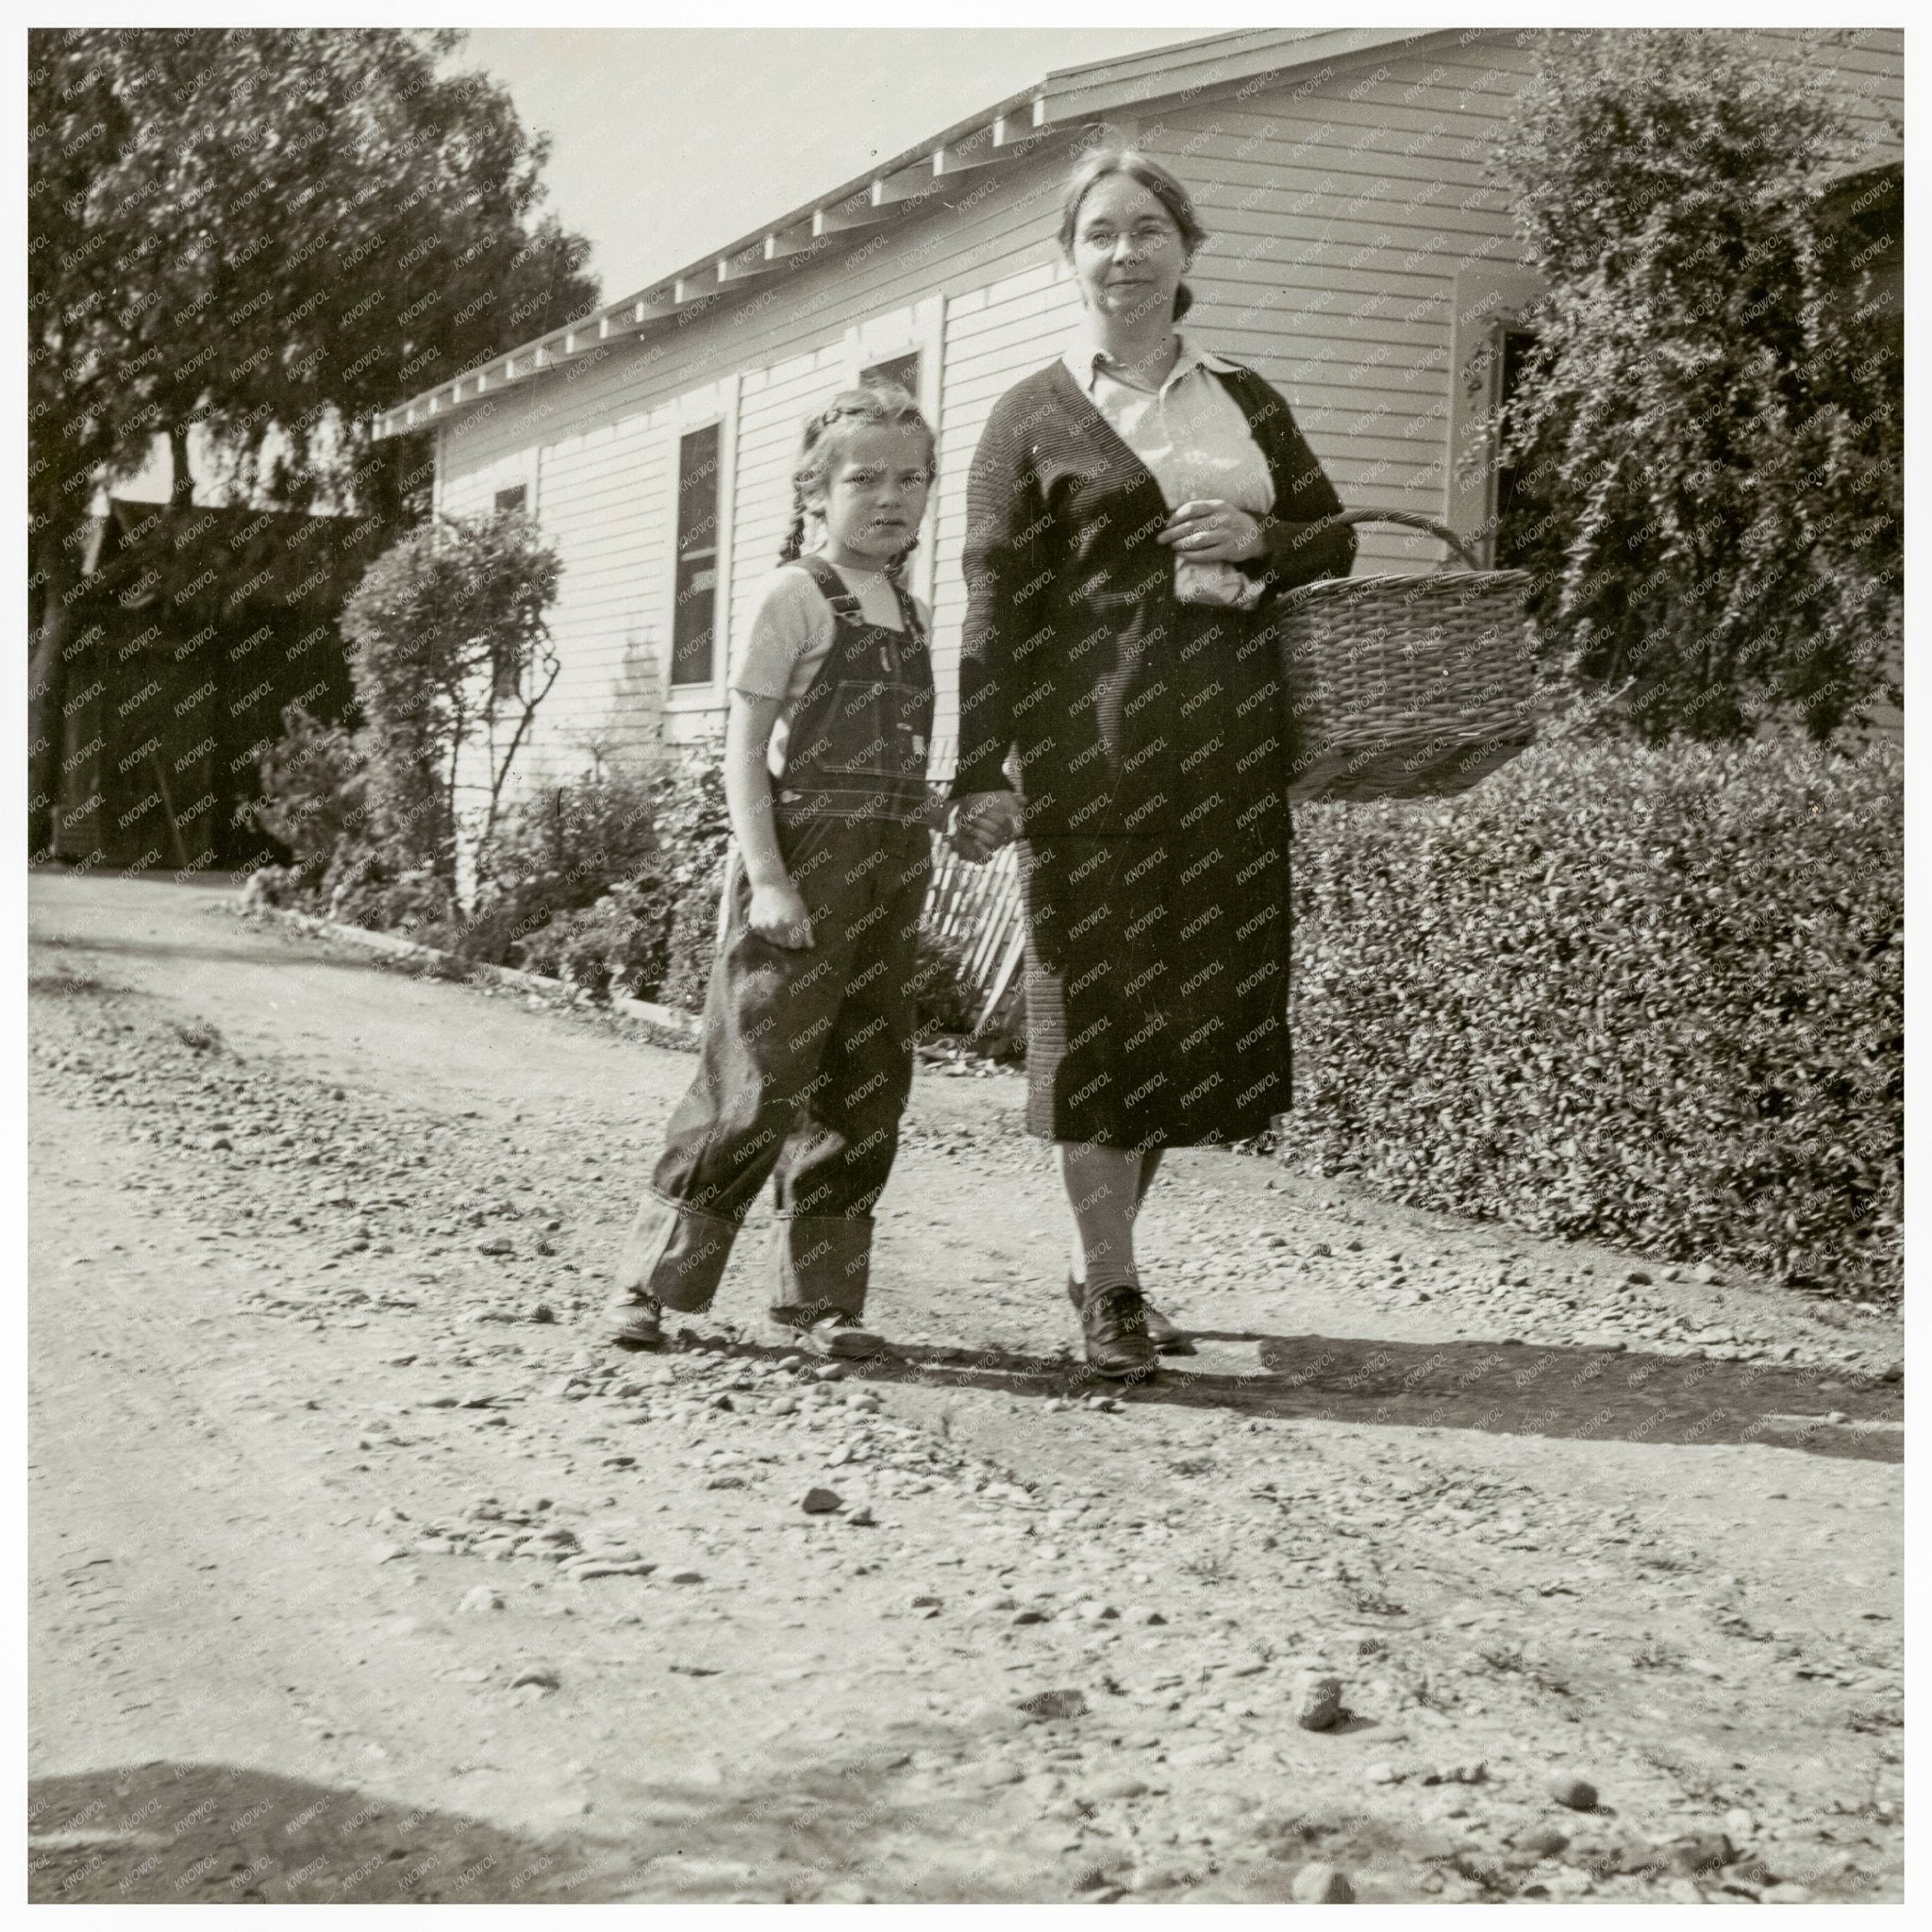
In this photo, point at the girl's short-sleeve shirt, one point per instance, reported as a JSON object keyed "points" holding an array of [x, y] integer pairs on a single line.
{"points": [[790, 634]]}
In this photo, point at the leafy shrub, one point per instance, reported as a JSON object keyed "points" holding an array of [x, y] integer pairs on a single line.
{"points": [[617, 887], [945, 1001], [1652, 997], [691, 945], [369, 892], [617, 945], [1709, 427], [272, 886], [696, 831], [555, 852], [450, 653], [313, 784]]}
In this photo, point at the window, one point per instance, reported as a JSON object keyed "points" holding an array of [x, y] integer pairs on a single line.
{"points": [[904, 370], [1509, 509], [692, 622], [513, 498], [1491, 332]]}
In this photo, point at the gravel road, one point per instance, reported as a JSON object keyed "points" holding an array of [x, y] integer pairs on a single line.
{"points": [[362, 1569]]}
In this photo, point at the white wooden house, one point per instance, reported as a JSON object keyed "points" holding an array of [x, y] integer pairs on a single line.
{"points": [[1359, 260]]}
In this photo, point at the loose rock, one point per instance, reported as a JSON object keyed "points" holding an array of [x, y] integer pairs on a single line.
{"points": [[1046, 1705], [1543, 1842], [1702, 1852], [819, 1501], [1577, 1793], [1318, 1702], [1321, 1885]]}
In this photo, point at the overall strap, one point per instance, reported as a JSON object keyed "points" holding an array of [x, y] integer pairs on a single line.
{"points": [[831, 588], [908, 609]]}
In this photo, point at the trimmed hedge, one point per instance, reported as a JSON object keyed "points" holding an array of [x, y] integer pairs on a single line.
{"points": [[1648, 997]]}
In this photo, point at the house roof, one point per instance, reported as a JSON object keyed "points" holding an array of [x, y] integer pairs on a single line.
{"points": [[984, 147]]}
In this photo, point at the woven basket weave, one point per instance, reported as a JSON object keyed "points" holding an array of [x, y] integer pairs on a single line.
{"points": [[1407, 686]]}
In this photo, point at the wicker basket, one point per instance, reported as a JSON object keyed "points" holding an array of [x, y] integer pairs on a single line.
{"points": [[1407, 686]]}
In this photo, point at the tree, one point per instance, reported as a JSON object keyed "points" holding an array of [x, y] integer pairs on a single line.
{"points": [[450, 654], [1709, 425], [270, 233]]}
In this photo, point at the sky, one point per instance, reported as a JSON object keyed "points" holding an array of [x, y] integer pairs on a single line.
{"points": [[668, 143]]}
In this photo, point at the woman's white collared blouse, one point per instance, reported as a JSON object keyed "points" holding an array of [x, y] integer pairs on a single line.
{"points": [[1196, 442]]}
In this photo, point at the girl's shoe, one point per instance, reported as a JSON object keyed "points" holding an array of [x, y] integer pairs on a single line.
{"points": [[638, 1319], [831, 1332], [1113, 1319], [1161, 1331]]}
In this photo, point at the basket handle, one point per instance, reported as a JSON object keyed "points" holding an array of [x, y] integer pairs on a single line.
{"points": [[1411, 520]]}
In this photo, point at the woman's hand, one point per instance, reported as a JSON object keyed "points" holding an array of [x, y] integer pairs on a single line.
{"points": [[1209, 530], [982, 822], [778, 914]]}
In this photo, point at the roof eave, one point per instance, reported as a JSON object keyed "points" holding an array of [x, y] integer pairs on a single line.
{"points": [[1068, 103], [972, 152]]}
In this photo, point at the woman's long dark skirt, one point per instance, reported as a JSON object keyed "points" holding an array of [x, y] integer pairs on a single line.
{"points": [[1156, 981]]}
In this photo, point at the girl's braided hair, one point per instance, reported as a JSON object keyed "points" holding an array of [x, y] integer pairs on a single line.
{"points": [[871, 406]]}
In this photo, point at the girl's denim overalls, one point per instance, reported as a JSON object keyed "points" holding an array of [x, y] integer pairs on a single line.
{"points": [[808, 1055]]}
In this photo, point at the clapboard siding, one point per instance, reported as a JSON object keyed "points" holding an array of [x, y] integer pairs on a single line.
{"points": [[995, 337], [1338, 221], [1341, 214], [773, 403]]}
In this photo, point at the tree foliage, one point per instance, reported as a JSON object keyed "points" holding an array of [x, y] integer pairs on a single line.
{"points": [[1709, 424], [270, 233]]}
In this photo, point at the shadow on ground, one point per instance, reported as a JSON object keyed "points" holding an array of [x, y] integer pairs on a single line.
{"points": [[203, 952], [1506, 1388], [861, 1829], [204, 1834]]}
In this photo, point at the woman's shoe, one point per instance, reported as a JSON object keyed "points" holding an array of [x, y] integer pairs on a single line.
{"points": [[1113, 1319], [1161, 1331]]}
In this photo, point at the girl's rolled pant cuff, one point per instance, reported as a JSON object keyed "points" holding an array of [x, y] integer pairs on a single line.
{"points": [[674, 1252], [825, 1260]]}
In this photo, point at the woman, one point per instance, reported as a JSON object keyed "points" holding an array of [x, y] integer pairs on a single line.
{"points": [[1133, 509]]}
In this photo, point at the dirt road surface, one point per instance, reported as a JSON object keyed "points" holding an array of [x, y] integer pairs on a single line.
{"points": [[362, 1569]]}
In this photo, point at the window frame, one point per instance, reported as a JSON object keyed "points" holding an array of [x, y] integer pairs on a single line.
{"points": [[1492, 300], [711, 409]]}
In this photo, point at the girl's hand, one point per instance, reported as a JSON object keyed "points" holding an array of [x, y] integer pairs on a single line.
{"points": [[1210, 531], [982, 822], [778, 914]]}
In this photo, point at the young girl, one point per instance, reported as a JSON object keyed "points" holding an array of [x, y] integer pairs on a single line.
{"points": [[811, 1013]]}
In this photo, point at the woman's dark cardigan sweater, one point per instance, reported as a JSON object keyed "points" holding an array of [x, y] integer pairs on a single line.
{"points": [[1153, 740], [1127, 708]]}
